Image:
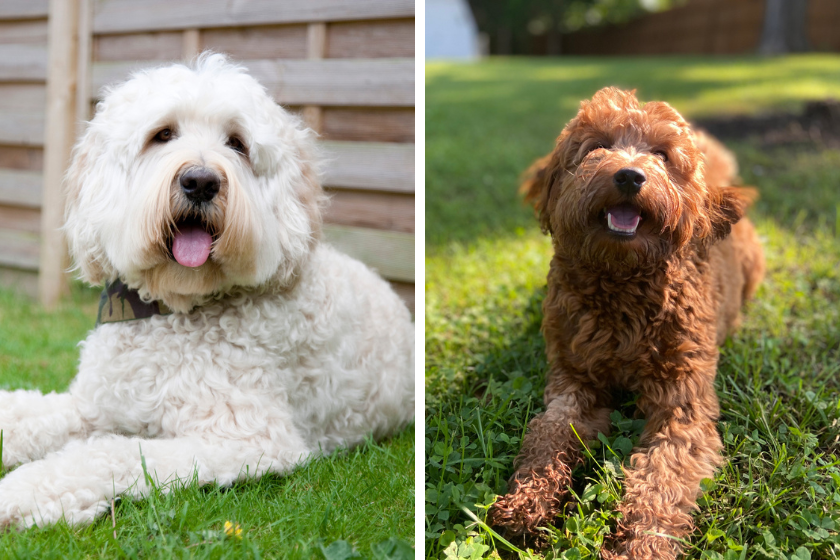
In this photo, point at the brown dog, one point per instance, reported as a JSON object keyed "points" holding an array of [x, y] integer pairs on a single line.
{"points": [[652, 262]]}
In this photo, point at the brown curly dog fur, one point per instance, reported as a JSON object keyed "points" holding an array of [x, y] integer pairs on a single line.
{"points": [[652, 262]]}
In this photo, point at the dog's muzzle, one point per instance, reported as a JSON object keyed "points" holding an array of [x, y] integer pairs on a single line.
{"points": [[191, 241]]}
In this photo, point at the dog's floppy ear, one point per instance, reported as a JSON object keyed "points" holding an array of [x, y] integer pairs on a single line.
{"points": [[540, 178], [536, 188], [82, 176], [284, 153], [729, 204], [284, 141]]}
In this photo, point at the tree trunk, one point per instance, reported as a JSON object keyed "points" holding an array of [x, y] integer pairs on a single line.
{"points": [[797, 32], [785, 27], [504, 40]]}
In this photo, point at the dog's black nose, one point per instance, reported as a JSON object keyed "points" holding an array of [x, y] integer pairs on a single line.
{"points": [[629, 180], [200, 184]]}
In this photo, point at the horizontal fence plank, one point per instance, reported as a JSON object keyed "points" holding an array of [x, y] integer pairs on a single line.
{"points": [[276, 41], [22, 129], [24, 9], [368, 124], [369, 165], [390, 253], [23, 97], [19, 157], [19, 249], [377, 210], [23, 32], [20, 219], [20, 188], [359, 82], [111, 73], [23, 63], [362, 82], [118, 16], [166, 45], [371, 39]]}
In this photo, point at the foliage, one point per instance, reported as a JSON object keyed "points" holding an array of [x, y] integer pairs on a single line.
{"points": [[511, 24], [778, 496]]}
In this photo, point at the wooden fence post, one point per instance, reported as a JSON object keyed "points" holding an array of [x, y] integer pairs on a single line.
{"points": [[84, 57], [58, 142], [316, 49], [190, 44]]}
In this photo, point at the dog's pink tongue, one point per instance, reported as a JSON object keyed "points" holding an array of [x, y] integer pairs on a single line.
{"points": [[191, 246], [625, 218]]}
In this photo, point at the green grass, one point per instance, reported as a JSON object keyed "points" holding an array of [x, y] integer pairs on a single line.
{"points": [[779, 375], [359, 502]]}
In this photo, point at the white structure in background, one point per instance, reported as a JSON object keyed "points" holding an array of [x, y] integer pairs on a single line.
{"points": [[451, 31]]}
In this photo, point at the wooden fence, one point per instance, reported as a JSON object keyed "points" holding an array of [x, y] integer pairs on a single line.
{"points": [[699, 27], [346, 66]]}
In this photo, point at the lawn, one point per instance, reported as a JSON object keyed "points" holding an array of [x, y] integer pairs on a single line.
{"points": [[778, 496], [356, 503]]}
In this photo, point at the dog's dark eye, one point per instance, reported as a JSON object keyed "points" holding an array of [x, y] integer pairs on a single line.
{"points": [[164, 135], [598, 146], [661, 155], [236, 145]]}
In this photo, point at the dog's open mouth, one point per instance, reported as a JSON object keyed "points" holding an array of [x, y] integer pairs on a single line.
{"points": [[191, 242], [623, 219]]}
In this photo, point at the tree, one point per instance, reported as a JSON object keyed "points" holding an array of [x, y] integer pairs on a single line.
{"points": [[785, 27], [513, 25]]}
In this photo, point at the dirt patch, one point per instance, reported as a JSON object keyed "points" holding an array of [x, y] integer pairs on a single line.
{"points": [[817, 124]]}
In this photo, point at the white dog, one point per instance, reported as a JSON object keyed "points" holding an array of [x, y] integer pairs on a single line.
{"points": [[194, 196]]}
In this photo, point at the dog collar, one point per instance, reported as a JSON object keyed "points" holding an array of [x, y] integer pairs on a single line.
{"points": [[119, 303]]}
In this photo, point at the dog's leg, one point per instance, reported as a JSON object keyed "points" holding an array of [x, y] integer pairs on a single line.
{"points": [[35, 424], [681, 448], [78, 482], [550, 450]]}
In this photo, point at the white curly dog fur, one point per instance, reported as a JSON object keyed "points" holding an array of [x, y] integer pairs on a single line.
{"points": [[280, 347]]}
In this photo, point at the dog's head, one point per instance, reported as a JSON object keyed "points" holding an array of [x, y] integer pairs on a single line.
{"points": [[625, 184], [190, 181]]}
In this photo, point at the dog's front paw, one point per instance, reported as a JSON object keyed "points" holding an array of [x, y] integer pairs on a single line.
{"points": [[34, 424], [632, 541], [21, 444], [35, 494], [534, 500], [644, 547]]}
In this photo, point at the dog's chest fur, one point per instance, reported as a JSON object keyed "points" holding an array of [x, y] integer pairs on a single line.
{"points": [[616, 330], [253, 360]]}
